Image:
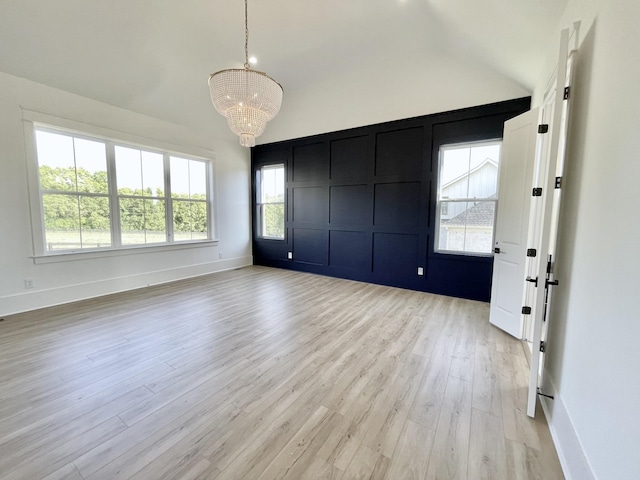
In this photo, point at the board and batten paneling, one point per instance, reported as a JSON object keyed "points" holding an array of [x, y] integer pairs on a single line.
{"points": [[360, 203]]}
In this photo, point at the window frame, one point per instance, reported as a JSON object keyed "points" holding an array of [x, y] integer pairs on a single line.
{"points": [[260, 204], [33, 121], [440, 201], [207, 201], [119, 196]]}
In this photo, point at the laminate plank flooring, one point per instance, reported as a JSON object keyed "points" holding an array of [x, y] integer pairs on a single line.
{"points": [[265, 374]]}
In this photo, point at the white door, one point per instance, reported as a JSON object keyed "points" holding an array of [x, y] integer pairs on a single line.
{"points": [[519, 150], [551, 188]]}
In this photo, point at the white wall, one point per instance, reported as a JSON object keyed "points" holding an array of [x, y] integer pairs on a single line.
{"points": [[72, 280], [594, 360], [371, 94]]}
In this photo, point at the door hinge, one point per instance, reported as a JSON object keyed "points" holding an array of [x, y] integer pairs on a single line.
{"points": [[567, 91], [543, 347], [526, 310], [531, 252], [558, 182], [537, 192], [532, 280], [543, 128]]}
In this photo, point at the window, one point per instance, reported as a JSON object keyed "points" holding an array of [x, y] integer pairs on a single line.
{"points": [[189, 199], [140, 179], [467, 197], [99, 194], [270, 201]]}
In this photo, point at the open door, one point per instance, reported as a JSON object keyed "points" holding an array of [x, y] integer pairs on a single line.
{"points": [[551, 188], [519, 151], [530, 184]]}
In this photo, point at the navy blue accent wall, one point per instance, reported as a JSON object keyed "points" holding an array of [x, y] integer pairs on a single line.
{"points": [[360, 203]]}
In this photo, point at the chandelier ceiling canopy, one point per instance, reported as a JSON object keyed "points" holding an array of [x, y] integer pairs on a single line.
{"points": [[246, 97]]}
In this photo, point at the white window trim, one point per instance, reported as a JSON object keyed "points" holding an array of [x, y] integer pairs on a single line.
{"points": [[33, 119], [260, 204], [439, 201]]}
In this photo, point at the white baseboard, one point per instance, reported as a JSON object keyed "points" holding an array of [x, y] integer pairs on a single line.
{"points": [[24, 302], [575, 464]]}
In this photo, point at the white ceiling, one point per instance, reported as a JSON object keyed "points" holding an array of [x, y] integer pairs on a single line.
{"points": [[155, 56]]}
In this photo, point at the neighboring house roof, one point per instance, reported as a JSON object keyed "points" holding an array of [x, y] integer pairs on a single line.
{"points": [[480, 215], [486, 161]]}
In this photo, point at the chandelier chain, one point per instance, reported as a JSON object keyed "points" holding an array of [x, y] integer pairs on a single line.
{"points": [[246, 35]]}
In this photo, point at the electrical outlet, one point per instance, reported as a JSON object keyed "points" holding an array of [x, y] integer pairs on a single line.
{"points": [[290, 255], [420, 271], [220, 255], [28, 283]]}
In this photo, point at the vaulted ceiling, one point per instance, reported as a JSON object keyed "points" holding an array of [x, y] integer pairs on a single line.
{"points": [[331, 56]]}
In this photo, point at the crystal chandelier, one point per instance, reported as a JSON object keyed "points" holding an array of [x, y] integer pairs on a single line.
{"points": [[248, 98]]}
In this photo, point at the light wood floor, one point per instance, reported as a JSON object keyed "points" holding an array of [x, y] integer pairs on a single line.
{"points": [[266, 374]]}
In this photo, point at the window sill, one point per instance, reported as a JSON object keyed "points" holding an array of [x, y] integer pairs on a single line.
{"points": [[67, 256], [462, 255]]}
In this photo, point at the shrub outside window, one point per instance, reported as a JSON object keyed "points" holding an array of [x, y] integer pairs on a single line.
{"points": [[101, 194]]}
